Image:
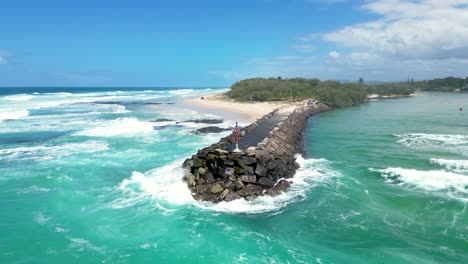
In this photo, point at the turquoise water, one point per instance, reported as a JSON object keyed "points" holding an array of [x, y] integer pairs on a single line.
{"points": [[89, 182]]}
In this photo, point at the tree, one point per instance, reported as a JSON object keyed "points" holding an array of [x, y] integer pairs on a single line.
{"points": [[361, 80]]}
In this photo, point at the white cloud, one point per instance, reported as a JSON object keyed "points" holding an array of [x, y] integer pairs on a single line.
{"points": [[427, 29], [334, 54], [422, 35]]}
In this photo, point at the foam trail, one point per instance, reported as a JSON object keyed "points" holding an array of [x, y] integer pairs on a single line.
{"points": [[421, 139], [448, 184], [13, 115]]}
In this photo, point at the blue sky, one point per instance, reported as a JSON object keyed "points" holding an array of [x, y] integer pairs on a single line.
{"points": [[215, 43]]}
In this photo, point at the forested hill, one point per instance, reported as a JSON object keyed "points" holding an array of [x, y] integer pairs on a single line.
{"points": [[332, 93], [449, 84]]}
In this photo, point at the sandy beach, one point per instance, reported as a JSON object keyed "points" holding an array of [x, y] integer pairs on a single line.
{"points": [[250, 111]]}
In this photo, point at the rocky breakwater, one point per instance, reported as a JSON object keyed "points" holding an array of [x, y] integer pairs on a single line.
{"points": [[216, 174]]}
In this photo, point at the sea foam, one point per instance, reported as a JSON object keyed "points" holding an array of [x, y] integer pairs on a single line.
{"points": [[43, 153], [449, 184], [459, 166], [13, 115], [120, 127], [165, 185]]}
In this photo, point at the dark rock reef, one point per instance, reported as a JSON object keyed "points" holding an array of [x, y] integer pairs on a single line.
{"points": [[215, 174]]}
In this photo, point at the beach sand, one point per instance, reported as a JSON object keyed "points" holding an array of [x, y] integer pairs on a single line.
{"points": [[250, 112]]}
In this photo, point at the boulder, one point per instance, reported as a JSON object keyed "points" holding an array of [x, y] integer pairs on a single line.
{"points": [[190, 179], [228, 162], [282, 185], [249, 170], [208, 177], [248, 160], [266, 182], [202, 188], [231, 196], [221, 151], [250, 151], [261, 170], [228, 171], [201, 171], [254, 189], [239, 184], [248, 178], [229, 185], [224, 193], [210, 129], [217, 188]]}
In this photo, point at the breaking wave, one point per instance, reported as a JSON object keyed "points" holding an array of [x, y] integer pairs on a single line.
{"points": [[165, 185], [452, 143], [120, 127], [19, 97], [460, 166], [448, 184], [13, 115], [43, 153]]}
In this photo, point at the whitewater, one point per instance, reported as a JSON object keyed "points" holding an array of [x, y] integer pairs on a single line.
{"points": [[86, 175]]}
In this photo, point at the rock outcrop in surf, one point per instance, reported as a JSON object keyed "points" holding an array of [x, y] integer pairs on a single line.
{"points": [[216, 174]]}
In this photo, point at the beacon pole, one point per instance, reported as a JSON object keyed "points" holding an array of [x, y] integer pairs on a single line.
{"points": [[236, 134]]}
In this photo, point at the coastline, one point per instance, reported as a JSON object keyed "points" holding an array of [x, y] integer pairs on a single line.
{"points": [[230, 109]]}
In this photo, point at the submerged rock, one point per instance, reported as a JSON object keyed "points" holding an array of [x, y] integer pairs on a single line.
{"points": [[210, 129]]}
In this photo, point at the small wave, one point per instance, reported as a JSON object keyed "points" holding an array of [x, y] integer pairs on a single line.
{"points": [[449, 184], [14, 115], [43, 153], [412, 140], [181, 91], [460, 166], [121, 127], [32, 189], [165, 184], [19, 97], [450, 143]]}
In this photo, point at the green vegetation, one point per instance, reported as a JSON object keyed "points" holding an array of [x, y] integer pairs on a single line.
{"points": [[332, 93], [449, 84]]}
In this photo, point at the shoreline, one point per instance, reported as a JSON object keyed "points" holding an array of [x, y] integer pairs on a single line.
{"points": [[249, 112]]}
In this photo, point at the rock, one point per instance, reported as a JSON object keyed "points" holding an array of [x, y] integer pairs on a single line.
{"points": [[204, 121], [282, 185], [221, 151], [190, 179], [217, 188], [187, 163], [240, 163], [239, 170], [201, 181], [266, 182], [197, 197], [261, 170], [248, 178], [228, 171], [250, 151], [224, 193], [162, 120], [210, 129], [273, 192], [229, 163], [254, 189], [208, 176], [249, 170], [262, 155], [250, 198], [248, 160], [196, 161], [231, 196], [239, 184], [203, 188], [229, 185], [273, 164], [201, 170]]}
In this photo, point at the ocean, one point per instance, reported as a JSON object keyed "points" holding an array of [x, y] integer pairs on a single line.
{"points": [[86, 177]]}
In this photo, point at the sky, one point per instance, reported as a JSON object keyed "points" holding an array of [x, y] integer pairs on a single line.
{"points": [[214, 43]]}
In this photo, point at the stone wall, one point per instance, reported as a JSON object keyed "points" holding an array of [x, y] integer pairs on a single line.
{"points": [[215, 174]]}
